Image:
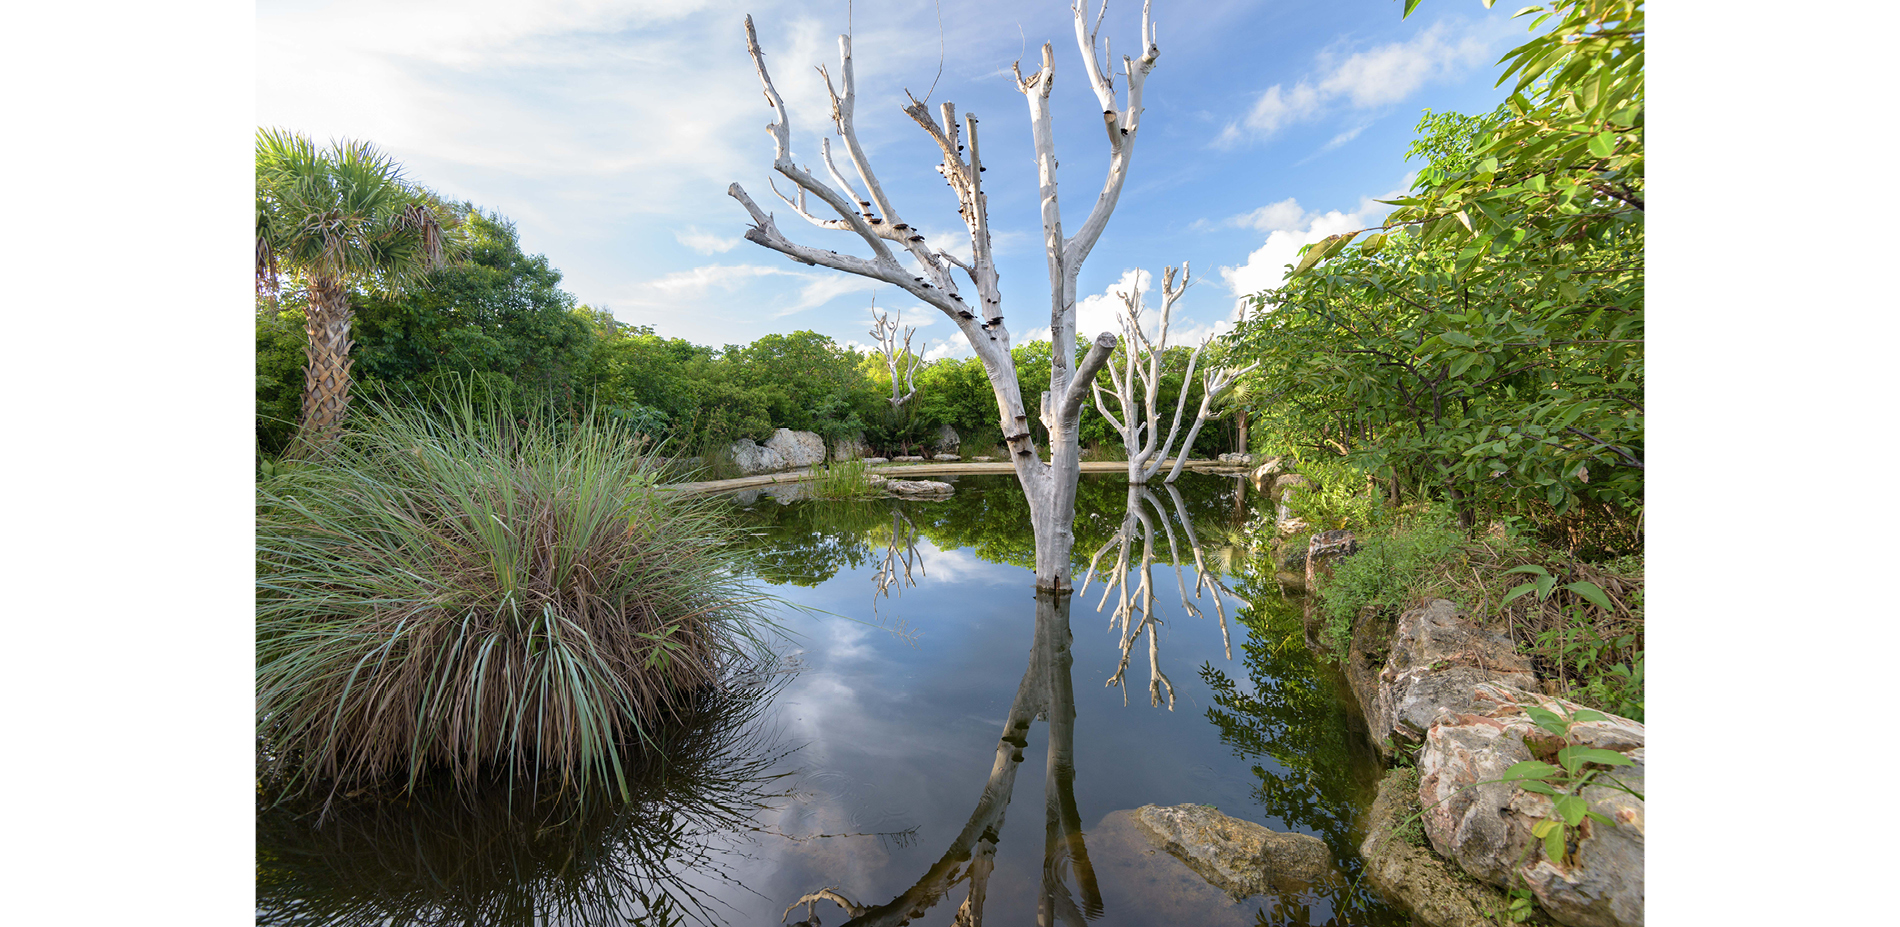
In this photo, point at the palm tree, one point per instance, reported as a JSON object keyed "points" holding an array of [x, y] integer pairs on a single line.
{"points": [[336, 217]]}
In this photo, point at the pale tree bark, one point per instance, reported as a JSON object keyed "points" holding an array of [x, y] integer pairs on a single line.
{"points": [[1138, 386], [865, 210], [902, 362]]}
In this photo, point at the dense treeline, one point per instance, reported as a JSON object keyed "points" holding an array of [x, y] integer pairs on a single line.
{"points": [[500, 318]]}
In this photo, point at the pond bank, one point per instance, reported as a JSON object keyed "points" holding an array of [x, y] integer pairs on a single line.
{"points": [[926, 468]]}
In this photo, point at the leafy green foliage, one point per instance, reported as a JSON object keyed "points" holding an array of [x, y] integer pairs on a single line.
{"points": [[1390, 571], [1485, 347], [499, 315]]}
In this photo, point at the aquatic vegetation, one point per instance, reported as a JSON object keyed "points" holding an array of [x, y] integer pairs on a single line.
{"points": [[450, 588]]}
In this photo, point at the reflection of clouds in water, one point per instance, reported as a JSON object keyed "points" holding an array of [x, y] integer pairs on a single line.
{"points": [[960, 566]]}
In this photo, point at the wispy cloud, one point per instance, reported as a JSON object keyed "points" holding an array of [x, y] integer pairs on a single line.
{"points": [[1364, 80], [705, 242]]}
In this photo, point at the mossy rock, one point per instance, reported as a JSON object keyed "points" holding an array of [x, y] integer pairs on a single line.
{"points": [[1410, 876]]}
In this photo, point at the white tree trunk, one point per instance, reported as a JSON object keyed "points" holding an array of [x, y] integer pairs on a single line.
{"points": [[1050, 485]]}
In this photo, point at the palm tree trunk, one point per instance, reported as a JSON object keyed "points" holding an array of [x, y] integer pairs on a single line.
{"points": [[326, 379]]}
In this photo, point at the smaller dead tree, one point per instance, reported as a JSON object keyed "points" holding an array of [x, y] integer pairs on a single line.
{"points": [[902, 363], [1138, 386]]}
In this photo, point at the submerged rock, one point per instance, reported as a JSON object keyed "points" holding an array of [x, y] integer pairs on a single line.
{"points": [[1408, 874], [1239, 857], [911, 488], [1485, 825]]}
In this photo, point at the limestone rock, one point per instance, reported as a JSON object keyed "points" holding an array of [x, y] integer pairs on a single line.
{"points": [[850, 447], [907, 459], [946, 458], [947, 439], [877, 460], [753, 460], [916, 488], [798, 448], [1412, 877], [983, 459], [1239, 857], [1269, 470], [1437, 658], [1322, 553], [1485, 825]]}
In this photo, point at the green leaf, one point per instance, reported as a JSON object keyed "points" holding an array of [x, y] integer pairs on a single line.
{"points": [[1603, 144], [1514, 593], [1373, 243], [1534, 785], [1593, 592], [1528, 568], [1572, 808], [1411, 5], [1542, 828], [1588, 714], [1554, 844], [1530, 769], [1547, 719], [1544, 585], [1593, 755]]}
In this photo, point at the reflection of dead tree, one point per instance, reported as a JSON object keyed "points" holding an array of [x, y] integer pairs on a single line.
{"points": [[1135, 611], [1045, 691], [900, 556]]}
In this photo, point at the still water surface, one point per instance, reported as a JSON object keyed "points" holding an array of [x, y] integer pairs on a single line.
{"points": [[869, 763]]}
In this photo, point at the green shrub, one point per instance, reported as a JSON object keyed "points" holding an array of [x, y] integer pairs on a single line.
{"points": [[1390, 571], [458, 589]]}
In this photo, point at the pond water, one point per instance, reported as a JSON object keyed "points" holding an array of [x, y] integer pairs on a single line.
{"points": [[868, 766]]}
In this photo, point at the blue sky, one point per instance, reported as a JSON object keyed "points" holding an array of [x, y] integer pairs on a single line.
{"points": [[609, 131]]}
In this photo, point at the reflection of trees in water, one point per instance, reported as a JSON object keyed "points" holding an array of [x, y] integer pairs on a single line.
{"points": [[1135, 608], [1045, 692], [499, 856], [806, 543], [1301, 715]]}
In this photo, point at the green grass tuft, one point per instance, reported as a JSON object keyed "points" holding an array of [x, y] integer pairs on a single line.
{"points": [[454, 590]]}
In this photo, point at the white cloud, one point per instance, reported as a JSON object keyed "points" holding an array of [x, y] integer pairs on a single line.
{"points": [[1365, 80], [955, 347], [704, 242], [723, 276], [1290, 228]]}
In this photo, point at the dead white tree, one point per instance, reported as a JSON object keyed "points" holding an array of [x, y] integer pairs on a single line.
{"points": [[902, 362], [870, 214], [1138, 385]]}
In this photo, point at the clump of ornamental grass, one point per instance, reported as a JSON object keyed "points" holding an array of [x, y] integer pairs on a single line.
{"points": [[846, 479], [451, 589]]}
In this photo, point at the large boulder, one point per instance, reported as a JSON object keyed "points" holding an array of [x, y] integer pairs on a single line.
{"points": [[1238, 857], [1408, 874], [752, 460], [1269, 470], [1485, 824], [1433, 661], [850, 447], [798, 448], [947, 439]]}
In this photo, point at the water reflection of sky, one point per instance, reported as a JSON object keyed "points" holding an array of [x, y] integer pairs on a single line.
{"points": [[899, 717]]}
